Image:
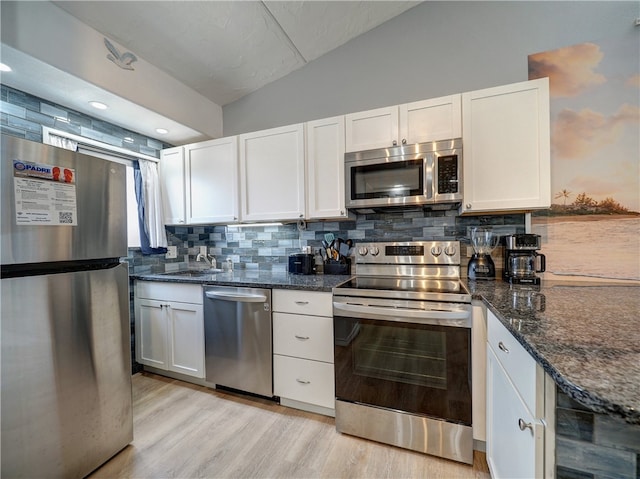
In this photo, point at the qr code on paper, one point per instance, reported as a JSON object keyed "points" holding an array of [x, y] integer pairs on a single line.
{"points": [[65, 217]]}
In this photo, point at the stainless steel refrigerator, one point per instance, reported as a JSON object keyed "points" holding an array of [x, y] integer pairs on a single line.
{"points": [[66, 404]]}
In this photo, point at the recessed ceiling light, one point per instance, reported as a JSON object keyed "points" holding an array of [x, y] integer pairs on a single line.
{"points": [[99, 105], [4, 68], [162, 131]]}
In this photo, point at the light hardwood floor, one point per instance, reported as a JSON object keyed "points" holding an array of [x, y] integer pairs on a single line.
{"points": [[187, 431]]}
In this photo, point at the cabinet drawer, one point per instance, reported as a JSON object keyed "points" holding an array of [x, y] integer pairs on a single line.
{"points": [[308, 337], [304, 380], [520, 366], [313, 303], [180, 292]]}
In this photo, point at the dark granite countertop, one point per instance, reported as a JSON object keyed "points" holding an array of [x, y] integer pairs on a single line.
{"points": [[253, 279], [585, 335]]}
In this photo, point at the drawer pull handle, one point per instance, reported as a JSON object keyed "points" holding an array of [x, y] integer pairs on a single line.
{"points": [[524, 425], [303, 381], [503, 347], [302, 303], [301, 338]]}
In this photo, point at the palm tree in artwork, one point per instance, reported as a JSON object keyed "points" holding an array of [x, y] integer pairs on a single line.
{"points": [[564, 194]]}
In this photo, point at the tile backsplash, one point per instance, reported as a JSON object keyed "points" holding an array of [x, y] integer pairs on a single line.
{"points": [[268, 247], [23, 115]]}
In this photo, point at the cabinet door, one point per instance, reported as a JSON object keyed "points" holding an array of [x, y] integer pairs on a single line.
{"points": [[172, 185], [151, 333], [506, 148], [371, 129], [512, 452], [212, 181], [272, 174], [325, 169], [186, 339], [431, 120]]}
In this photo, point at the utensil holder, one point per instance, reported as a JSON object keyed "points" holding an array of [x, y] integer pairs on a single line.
{"points": [[335, 267]]}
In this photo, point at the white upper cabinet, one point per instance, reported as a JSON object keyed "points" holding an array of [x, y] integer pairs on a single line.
{"points": [[211, 170], [325, 169], [272, 174], [431, 120], [199, 182], [506, 148], [172, 184], [417, 122], [367, 130]]}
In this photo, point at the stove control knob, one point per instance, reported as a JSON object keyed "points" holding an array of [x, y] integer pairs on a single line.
{"points": [[374, 251], [450, 250], [362, 251], [436, 251]]}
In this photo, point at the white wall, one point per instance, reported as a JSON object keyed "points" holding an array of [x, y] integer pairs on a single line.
{"points": [[434, 49]]}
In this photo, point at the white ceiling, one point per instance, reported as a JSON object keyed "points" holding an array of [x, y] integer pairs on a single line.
{"points": [[222, 50]]}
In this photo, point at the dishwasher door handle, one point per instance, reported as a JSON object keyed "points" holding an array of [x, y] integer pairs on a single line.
{"points": [[236, 297]]}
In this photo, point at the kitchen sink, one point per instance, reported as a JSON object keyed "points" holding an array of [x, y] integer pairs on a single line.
{"points": [[194, 274]]}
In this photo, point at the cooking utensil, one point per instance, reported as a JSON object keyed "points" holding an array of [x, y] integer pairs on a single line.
{"points": [[329, 237]]}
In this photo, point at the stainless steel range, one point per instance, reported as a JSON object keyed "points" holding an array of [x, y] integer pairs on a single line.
{"points": [[402, 334]]}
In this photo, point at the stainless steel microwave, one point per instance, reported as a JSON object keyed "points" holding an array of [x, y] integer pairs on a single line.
{"points": [[407, 175]]}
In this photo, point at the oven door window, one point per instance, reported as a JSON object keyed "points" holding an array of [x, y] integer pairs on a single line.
{"points": [[420, 369], [388, 180]]}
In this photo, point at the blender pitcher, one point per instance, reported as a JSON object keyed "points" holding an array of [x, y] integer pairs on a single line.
{"points": [[481, 264]]}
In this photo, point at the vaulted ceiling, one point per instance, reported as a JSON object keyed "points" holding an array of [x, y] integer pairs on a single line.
{"points": [[220, 50]]}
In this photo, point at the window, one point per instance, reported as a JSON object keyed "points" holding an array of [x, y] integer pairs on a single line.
{"points": [[102, 150]]}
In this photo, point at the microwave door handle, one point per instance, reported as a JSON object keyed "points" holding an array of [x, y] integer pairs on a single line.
{"points": [[429, 174]]}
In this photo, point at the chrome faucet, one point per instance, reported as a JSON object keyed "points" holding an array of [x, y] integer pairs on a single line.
{"points": [[205, 257]]}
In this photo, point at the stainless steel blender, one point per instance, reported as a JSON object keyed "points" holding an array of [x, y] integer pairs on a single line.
{"points": [[481, 266]]}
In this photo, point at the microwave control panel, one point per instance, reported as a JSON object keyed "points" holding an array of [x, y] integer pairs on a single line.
{"points": [[448, 174]]}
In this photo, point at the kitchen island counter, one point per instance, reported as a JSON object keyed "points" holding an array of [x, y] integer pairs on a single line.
{"points": [[252, 279], [585, 336]]}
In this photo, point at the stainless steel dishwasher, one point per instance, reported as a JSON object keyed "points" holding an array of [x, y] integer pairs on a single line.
{"points": [[238, 344]]}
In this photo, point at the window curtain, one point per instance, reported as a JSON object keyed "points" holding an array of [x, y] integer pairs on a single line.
{"points": [[153, 237]]}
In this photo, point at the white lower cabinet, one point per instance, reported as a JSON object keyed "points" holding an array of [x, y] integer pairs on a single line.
{"points": [[303, 370], [170, 327], [519, 412]]}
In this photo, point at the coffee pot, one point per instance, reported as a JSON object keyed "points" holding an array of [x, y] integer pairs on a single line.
{"points": [[521, 259]]}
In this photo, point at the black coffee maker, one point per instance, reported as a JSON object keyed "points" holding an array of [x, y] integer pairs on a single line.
{"points": [[521, 259]]}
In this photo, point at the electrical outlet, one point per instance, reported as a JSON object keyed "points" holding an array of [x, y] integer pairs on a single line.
{"points": [[172, 252]]}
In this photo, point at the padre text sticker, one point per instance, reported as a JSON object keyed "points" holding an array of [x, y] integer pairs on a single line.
{"points": [[44, 194]]}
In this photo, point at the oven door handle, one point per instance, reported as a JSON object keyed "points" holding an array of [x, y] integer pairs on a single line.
{"points": [[461, 319]]}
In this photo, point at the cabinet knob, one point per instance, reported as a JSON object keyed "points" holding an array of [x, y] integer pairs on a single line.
{"points": [[181, 221], [395, 143], [303, 381], [468, 206], [302, 303], [503, 347], [524, 425], [301, 338], [341, 212], [404, 141]]}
